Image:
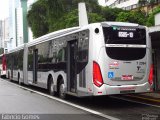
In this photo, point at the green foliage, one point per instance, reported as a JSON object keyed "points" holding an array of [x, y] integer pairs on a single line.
{"points": [[123, 16], [51, 15], [133, 17], [37, 18], [54, 11], [94, 17], [110, 14], [71, 19], [68, 20], [150, 21], [92, 5], [151, 2]]}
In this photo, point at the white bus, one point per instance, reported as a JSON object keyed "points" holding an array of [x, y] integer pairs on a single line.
{"points": [[15, 65], [97, 59]]}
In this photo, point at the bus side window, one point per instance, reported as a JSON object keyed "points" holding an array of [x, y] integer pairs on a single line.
{"points": [[83, 47]]}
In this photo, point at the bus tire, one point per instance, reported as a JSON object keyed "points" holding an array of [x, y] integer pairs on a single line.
{"points": [[51, 87], [61, 90], [19, 82], [9, 76]]}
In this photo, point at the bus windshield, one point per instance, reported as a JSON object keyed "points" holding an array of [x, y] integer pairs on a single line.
{"points": [[125, 36]]}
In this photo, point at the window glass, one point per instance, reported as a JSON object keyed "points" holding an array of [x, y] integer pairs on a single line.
{"points": [[125, 35]]}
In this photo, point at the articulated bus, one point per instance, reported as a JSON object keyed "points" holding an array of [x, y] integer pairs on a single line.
{"points": [[97, 59], [15, 64], [2, 65]]}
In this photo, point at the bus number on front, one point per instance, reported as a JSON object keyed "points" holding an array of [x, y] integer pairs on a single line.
{"points": [[125, 34]]}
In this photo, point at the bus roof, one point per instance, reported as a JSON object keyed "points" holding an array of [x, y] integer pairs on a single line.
{"points": [[52, 35], [16, 49], [121, 24], [67, 31], [61, 33]]}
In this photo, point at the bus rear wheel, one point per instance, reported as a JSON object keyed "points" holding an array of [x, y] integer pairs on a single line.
{"points": [[62, 93], [51, 87], [19, 82]]}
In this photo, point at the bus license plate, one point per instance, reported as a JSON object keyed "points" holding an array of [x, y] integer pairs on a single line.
{"points": [[127, 77]]}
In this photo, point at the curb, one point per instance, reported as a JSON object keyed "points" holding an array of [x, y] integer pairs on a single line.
{"points": [[143, 97]]}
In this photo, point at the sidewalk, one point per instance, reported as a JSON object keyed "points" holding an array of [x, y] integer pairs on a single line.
{"points": [[154, 95], [150, 97]]}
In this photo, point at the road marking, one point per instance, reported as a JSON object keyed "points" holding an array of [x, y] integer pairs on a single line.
{"points": [[68, 103], [135, 101], [149, 99]]}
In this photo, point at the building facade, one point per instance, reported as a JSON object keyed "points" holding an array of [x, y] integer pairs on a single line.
{"points": [[1, 33], [4, 34], [124, 4], [131, 4], [19, 26], [13, 4], [18, 32]]}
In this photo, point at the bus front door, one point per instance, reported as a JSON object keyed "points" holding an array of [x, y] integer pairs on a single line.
{"points": [[72, 66]]}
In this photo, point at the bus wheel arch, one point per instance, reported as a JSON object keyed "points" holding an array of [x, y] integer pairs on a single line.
{"points": [[50, 85], [61, 87]]}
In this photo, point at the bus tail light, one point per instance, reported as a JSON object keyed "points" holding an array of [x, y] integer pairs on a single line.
{"points": [[150, 78], [97, 76]]}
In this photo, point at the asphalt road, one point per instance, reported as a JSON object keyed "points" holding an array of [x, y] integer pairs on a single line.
{"points": [[22, 101], [120, 109], [17, 103]]}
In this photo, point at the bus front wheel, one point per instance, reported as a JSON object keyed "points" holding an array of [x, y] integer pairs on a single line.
{"points": [[51, 87]]}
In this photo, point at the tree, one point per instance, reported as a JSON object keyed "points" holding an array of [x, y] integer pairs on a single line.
{"points": [[42, 16], [94, 17], [150, 20], [68, 20], [71, 19], [92, 5], [55, 11], [68, 5], [50, 15], [152, 2], [37, 18], [133, 17], [110, 14]]}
